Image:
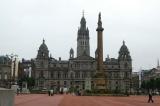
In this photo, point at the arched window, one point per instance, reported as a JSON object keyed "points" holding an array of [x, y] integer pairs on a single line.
{"points": [[77, 75], [0, 76], [42, 64], [52, 75], [65, 83], [59, 75], [84, 74], [126, 75], [65, 75], [72, 75], [41, 74], [125, 65]]}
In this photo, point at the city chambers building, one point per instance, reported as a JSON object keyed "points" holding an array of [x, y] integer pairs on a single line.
{"points": [[78, 71]]}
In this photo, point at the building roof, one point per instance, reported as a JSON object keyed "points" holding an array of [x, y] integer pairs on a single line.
{"points": [[4, 59], [111, 61], [124, 48], [43, 46], [84, 56]]}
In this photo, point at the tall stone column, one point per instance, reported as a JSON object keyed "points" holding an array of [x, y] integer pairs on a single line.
{"points": [[100, 44], [100, 77]]}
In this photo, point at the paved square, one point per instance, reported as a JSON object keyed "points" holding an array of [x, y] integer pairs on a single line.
{"points": [[70, 100]]}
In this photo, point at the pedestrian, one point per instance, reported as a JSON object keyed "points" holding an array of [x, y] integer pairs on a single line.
{"points": [[49, 93], [150, 97], [18, 91]]}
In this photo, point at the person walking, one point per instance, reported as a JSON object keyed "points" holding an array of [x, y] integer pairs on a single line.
{"points": [[18, 91], [49, 93], [150, 97]]}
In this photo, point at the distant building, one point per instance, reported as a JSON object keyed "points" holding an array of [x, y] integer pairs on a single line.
{"points": [[52, 73], [25, 68], [5, 71], [151, 73]]}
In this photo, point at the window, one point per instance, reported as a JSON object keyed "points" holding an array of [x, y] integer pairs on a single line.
{"points": [[84, 74], [0, 76], [126, 65], [52, 75], [41, 74], [71, 75], [91, 65], [71, 83], [116, 75], [42, 64], [92, 73], [41, 83], [58, 83], [110, 75], [112, 66], [116, 82], [65, 83], [65, 75], [88, 74], [126, 75], [77, 75], [59, 75], [5, 76], [43, 54]]}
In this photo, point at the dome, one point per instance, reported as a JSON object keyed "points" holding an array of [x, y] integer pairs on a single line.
{"points": [[43, 51], [4, 59], [43, 46], [124, 52], [123, 48]]}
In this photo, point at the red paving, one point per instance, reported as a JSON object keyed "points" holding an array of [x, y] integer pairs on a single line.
{"points": [[38, 100], [70, 100]]}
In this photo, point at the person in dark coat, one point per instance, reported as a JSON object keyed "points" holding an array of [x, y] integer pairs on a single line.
{"points": [[49, 93], [18, 91], [150, 97]]}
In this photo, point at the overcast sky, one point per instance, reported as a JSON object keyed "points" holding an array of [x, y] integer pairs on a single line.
{"points": [[24, 23]]}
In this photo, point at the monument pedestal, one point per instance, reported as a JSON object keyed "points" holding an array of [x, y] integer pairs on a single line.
{"points": [[25, 89], [6, 97], [100, 83], [14, 88]]}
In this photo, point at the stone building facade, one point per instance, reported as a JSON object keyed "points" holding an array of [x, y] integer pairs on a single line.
{"points": [[118, 71], [149, 74], [52, 73], [5, 71], [25, 68]]}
